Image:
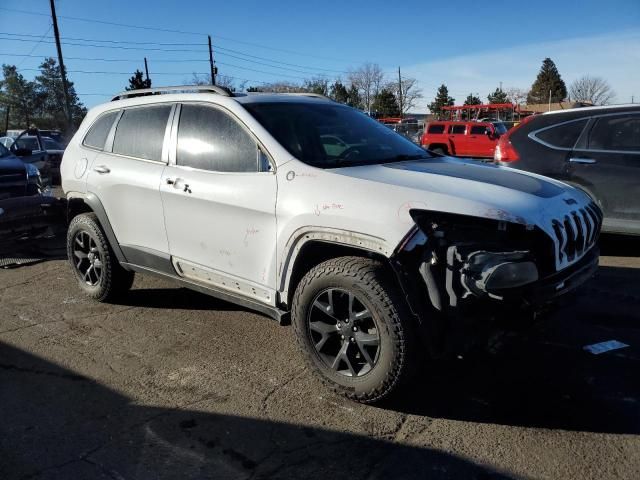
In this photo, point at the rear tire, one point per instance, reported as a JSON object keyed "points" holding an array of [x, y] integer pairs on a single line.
{"points": [[93, 262], [354, 298]]}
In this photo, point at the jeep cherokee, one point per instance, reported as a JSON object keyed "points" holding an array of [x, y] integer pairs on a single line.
{"points": [[377, 251]]}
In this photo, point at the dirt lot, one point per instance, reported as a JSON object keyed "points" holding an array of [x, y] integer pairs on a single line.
{"points": [[174, 384]]}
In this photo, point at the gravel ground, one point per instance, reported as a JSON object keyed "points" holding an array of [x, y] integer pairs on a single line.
{"points": [[174, 384]]}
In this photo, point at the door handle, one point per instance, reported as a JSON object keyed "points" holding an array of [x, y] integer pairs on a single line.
{"points": [[587, 161], [101, 169]]}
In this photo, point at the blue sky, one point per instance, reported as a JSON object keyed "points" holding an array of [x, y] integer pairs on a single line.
{"points": [[471, 46]]}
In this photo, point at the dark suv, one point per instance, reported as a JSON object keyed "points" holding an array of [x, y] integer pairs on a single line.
{"points": [[594, 148]]}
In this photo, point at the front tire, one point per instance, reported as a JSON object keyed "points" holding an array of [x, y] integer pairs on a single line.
{"points": [[93, 262], [354, 328]]}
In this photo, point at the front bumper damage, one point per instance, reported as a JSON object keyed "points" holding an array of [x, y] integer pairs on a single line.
{"points": [[463, 271]]}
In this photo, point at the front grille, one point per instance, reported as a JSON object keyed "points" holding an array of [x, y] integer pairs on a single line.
{"points": [[576, 233]]}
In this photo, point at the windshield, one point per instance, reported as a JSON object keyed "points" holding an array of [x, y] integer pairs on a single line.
{"points": [[327, 136], [50, 144]]}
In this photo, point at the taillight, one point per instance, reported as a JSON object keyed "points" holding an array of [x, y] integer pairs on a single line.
{"points": [[504, 151]]}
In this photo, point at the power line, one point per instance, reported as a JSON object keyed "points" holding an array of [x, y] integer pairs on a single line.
{"points": [[167, 30], [36, 45]]}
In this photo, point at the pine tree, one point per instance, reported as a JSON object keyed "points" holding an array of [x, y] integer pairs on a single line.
{"points": [[19, 95], [51, 98], [385, 104], [138, 82], [548, 80], [442, 99], [498, 96], [354, 97], [472, 100], [339, 92]]}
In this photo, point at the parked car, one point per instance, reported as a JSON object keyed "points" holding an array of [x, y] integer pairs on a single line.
{"points": [[463, 139], [309, 211], [44, 152], [594, 148], [25, 206]]}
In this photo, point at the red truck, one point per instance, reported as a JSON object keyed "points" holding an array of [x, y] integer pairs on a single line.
{"points": [[463, 139]]}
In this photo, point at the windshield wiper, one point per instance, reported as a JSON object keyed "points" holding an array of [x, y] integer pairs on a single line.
{"points": [[403, 157]]}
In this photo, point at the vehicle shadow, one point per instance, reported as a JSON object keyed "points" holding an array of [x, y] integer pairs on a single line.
{"points": [[544, 377], [58, 424], [618, 245]]}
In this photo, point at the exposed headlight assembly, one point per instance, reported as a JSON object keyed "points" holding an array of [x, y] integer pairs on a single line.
{"points": [[492, 272]]}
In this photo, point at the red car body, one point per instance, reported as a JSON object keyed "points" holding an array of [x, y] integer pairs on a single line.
{"points": [[463, 139]]}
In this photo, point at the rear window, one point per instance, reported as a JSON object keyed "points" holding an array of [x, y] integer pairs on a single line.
{"points": [[457, 129], [97, 134], [436, 129], [140, 132], [564, 135], [616, 133]]}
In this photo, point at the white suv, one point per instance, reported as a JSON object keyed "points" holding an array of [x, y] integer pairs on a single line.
{"points": [[307, 210]]}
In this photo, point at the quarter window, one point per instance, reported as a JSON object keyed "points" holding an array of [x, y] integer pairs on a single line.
{"points": [[457, 129], [616, 133], [209, 139], [436, 129], [562, 136], [140, 132], [97, 134]]}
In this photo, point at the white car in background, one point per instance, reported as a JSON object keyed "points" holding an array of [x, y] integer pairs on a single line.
{"points": [[378, 252]]}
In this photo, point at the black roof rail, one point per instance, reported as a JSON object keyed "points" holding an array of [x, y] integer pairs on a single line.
{"points": [[175, 89]]}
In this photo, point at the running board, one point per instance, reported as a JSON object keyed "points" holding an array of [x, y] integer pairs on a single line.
{"points": [[282, 317]]}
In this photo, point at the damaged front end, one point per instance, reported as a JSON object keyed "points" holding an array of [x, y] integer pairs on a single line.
{"points": [[467, 272]]}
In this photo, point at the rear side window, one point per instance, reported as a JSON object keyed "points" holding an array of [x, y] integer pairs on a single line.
{"points": [[478, 130], [209, 139], [457, 129], [140, 132], [562, 136], [97, 134], [616, 133], [436, 129]]}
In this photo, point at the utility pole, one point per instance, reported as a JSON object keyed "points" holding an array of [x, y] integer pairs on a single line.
{"points": [[63, 72], [6, 119], [500, 86], [214, 69], [400, 92], [549, 99], [146, 71]]}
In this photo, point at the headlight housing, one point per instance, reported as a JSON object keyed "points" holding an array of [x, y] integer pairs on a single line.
{"points": [[491, 272]]}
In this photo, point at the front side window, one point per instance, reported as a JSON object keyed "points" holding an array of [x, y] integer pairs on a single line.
{"points": [[140, 132], [331, 135], [457, 129], [209, 139], [97, 134], [616, 133], [564, 135], [478, 130]]}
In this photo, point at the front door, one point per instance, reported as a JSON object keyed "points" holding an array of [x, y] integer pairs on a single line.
{"points": [[219, 201], [608, 166]]}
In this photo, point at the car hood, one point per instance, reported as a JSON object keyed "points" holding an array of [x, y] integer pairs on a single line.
{"points": [[471, 188]]}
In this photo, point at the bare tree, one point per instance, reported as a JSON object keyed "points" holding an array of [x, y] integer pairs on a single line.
{"points": [[594, 90], [278, 87], [516, 95], [221, 81], [368, 79], [410, 93]]}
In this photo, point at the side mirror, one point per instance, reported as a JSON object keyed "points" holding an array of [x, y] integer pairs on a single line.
{"points": [[22, 152]]}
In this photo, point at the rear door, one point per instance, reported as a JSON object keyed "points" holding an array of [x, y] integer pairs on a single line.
{"points": [[126, 178], [606, 162]]}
